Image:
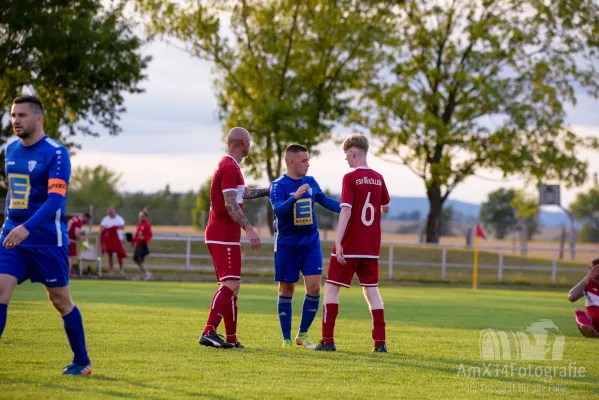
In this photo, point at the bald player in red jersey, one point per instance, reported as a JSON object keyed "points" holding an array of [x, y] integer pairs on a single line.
{"points": [[358, 243], [587, 320], [223, 234]]}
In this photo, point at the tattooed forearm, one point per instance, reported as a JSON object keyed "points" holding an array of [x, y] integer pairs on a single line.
{"points": [[250, 193], [234, 210]]}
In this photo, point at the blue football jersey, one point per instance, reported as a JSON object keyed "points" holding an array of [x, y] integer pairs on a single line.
{"points": [[295, 221], [32, 173]]}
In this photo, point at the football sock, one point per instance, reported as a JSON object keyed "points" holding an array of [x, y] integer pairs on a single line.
{"points": [[221, 302], [230, 319], [3, 311], [73, 326], [378, 326], [284, 309], [309, 311], [329, 315]]}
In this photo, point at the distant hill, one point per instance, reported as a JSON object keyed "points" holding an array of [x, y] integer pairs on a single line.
{"points": [[469, 211]]}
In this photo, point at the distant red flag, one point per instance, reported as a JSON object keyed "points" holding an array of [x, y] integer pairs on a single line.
{"points": [[480, 232]]}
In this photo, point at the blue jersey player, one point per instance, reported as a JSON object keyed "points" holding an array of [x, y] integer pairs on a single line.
{"points": [[297, 242], [34, 235]]}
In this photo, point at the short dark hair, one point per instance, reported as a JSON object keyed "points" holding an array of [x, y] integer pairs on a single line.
{"points": [[34, 102], [87, 215], [595, 261], [295, 148]]}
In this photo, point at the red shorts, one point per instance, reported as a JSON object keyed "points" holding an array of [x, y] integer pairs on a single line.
{"points": [[72, 249], [227, 261], [367, 270], [593, 313]]}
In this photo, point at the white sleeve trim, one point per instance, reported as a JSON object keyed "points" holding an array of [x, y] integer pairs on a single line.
{"points": [[386, 205], [229, 190], [345, 205]]}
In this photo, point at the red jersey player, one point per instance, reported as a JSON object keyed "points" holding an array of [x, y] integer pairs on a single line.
{"points": [[588, 322], [74, 232], [223, 234], [358, 243]]}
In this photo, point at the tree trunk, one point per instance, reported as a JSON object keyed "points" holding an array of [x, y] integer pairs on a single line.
{"points": [[433, 220]]}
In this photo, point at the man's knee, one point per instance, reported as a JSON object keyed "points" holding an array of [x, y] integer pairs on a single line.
{"points": [[286, 289], [331, 293], [61, 300], [313, 289], [7, 285]]}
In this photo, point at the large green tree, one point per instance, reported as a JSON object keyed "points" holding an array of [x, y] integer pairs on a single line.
{"points": [[483, 84], [505, 208], [93, 186], [79, 57], [283, 68], [586, 209]]}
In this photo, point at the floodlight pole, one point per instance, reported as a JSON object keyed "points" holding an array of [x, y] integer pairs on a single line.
{"points": [[572, 232]]}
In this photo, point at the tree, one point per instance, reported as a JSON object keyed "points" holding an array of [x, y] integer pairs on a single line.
{"points": [[78, 57], [202, 207], [483, 84], [586, 209], [505, 208], [287, 70], [95, 187], [497, 212]]}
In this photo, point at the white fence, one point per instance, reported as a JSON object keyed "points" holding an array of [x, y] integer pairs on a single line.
{"points": [[389, 261]]}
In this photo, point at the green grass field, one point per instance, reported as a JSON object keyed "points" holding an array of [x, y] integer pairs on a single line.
{"points": [[142, 338]]}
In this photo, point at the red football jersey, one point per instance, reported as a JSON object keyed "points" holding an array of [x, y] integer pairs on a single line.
{"points": [[364, 190], [143, 228], [73, 227], [221, 228], [591, 291]]}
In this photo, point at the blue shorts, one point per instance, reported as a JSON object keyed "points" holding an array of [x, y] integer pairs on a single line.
{"points": [[47, 265], [291, 260]]}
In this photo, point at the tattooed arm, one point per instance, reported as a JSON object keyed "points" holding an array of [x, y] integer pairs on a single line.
{"points": [[250, 193], [234, 210], [237, 215]]}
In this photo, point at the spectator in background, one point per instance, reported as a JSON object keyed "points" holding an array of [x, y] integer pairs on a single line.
{"points": [[111, 238], [75, 237], [140, 242], [588, 322]]}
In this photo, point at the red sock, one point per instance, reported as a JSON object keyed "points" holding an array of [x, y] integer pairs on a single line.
{"points": [[582, 318], [221, 302], [230, 319], [378, 326], [329, 315]]}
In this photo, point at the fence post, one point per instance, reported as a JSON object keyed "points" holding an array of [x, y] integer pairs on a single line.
{"points": [[444, 264], [391, 262], [500, 267], [554, 269], [188, 255]]}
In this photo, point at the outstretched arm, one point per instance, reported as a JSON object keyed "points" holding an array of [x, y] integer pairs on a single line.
{"points": [[250, 193], [328, 202], [577, 292]]}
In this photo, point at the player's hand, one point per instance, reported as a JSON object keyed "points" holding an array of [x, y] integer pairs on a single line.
{"points": [[593, 273], [300, 192], [15, 237], [253, 238], [339, 254]]}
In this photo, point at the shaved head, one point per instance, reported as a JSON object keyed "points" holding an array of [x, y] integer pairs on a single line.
{"points": [[238, 142], [237, 135]]}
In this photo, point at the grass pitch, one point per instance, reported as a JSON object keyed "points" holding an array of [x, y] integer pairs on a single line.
{"points": [[142, 339]]}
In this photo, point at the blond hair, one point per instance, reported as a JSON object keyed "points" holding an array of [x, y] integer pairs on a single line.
{"points": [[356, 140]]}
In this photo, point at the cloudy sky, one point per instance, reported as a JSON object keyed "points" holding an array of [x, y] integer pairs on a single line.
{"points": [[171, 135]]}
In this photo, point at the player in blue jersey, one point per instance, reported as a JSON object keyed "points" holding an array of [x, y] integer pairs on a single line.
{"points": [[297, 241], [34, 241]]}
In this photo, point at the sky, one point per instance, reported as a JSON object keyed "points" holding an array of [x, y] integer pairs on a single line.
{"points": [[171, 134]]}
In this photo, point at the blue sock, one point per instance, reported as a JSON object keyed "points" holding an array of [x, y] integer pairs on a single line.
{"points": [[73, 325], [284, 308], [309, 311], [3, 310]]}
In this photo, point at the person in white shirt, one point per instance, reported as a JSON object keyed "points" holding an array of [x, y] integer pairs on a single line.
{"points": [[112, 219]]}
